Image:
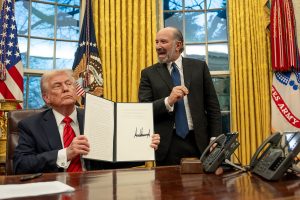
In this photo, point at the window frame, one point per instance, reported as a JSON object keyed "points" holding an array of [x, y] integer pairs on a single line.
{"points": [[29, 72], [214, 73]]}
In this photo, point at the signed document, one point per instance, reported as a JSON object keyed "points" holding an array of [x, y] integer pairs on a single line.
{"points": [[118, 131]]}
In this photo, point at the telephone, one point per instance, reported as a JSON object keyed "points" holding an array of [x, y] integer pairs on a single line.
{"points": [[225, 146], [273, 157]]}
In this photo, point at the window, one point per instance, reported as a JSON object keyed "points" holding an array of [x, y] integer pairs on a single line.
{"points": [[204, 27], [48, 33]]}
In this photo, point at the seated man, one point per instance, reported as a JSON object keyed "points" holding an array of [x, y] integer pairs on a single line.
{"points": [[52, 141]]}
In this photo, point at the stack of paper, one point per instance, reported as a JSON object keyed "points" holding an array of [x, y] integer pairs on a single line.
{"points": [[33, 189]]}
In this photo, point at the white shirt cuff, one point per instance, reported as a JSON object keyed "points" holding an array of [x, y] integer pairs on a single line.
{"points": [[168, 107], [62, 160]]}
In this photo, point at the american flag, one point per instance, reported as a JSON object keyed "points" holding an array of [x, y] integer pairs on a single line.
{"points": [[11, 68], [79, 89]]}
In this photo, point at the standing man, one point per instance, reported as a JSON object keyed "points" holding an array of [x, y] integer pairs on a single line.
{"points": [[186, 108], [52, 141]]}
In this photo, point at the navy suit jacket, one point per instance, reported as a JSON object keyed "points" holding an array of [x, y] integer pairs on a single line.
{"points": [[156, 84]]}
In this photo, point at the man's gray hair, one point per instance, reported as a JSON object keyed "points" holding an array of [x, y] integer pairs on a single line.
{"points": [[179, 37]]}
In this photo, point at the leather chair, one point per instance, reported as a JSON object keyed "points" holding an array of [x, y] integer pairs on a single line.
{"points": [[13, 119]]}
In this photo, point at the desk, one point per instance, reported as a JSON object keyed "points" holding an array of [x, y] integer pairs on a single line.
{"points": [[166, 183]]}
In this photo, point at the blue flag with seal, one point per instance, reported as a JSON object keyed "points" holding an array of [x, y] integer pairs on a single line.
{"points": [[87, 65]]}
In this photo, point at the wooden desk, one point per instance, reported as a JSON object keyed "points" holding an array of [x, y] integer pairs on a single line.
{"points": [[166, 183]]}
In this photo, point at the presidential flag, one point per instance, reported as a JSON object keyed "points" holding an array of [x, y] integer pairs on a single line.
{"points": [[87, 64], [11, 68]]}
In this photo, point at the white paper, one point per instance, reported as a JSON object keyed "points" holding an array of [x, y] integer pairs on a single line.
{"points": [[33, 189], [99, 127], [134, 131]]}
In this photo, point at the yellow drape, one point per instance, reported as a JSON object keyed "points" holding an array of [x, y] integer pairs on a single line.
{"points": [[250, 74], [125, 32]]}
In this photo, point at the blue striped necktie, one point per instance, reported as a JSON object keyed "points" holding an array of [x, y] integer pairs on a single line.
{"points": [[181, 124]]}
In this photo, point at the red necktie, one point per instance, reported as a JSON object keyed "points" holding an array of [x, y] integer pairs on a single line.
{"points": [[69, 134]]}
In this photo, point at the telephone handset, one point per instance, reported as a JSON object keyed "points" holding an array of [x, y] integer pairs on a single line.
{"points": [[270, 161], [273, 140], [225, 146]]}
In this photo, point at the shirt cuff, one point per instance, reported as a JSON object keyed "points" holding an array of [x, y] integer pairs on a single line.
{"points": [[168, 107], [62, 160], [212, 138]]}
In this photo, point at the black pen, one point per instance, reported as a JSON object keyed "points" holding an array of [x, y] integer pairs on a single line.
{"points": [[30, 176]]}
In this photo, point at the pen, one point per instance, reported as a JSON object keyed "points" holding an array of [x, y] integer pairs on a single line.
{"points": [[30, 176]]}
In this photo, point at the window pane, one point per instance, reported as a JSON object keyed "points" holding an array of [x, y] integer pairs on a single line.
{"points": [[194, 4], [42, 20], [225, 122], [42, 36], [48, 0], [21, 13], [69, 2], [217, 27], [172, 4], [218, 57], [216, 4], [195, 27], [174, 19], [25, 91], [65, 52], [35, 99], [23, 50], [195, 51], [41, 54], [68, 23], [222, 86]]}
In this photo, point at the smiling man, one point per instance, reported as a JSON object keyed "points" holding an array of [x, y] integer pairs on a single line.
{"points": [[52, 140], [186, 108]]}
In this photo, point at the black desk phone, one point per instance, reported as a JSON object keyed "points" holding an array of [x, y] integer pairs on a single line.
{"points": [[275, 155], [211, 159]]}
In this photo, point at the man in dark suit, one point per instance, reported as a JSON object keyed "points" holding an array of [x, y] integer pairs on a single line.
{"points": [[52, 140], [186, 108]]}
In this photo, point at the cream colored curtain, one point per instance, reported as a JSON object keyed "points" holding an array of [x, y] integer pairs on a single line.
{"points": [[125, 32], [250, 74]]}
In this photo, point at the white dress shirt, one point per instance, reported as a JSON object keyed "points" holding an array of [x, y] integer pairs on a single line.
{"points": [[62, 153], [178, 62]]}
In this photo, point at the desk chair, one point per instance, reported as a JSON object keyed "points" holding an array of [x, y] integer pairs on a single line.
{"points": [[13, 119]]}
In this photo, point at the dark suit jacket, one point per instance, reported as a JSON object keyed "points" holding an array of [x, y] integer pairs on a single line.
{"points": [[39, 142], [156, 84]]}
